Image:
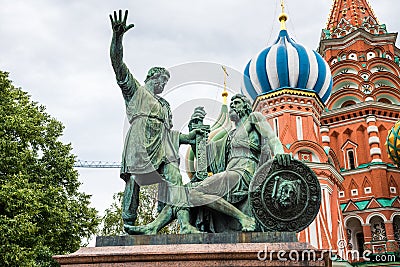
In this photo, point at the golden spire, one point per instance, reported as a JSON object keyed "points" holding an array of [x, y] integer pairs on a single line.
{"points": [[225, 92], [283, 16]]}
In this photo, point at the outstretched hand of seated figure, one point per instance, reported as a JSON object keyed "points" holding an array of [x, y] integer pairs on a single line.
{"points": [[193, 133], [197, 117], [284, 159]]}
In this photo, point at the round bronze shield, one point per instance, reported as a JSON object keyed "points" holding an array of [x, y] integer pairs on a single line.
{"points": [[285, 199]]}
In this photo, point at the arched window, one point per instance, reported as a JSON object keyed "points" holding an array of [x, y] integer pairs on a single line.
{"points": [[396, 228], [276, 127], [355, 235], [299, 126], [348, 103], [350, 159], [378, 230], [385, 100]]}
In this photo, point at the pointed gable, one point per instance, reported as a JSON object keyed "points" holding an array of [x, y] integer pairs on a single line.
{"points": [[366, 182], [392, 183], [348, 144], [350, 207], [373, 204], [353, 184], [396, 202], [361, 128]]}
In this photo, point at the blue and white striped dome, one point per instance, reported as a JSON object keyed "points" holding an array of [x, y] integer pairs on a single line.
{"points": [[287, 64]]}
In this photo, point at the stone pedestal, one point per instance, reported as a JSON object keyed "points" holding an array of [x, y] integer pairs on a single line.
{"points": [[227, 249]]}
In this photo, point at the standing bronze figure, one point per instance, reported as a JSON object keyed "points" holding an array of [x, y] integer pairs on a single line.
{"points": [[150, 152]]}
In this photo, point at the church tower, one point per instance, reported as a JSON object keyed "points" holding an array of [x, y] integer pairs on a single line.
{"points": [[290, 84], [363, 106], [333, 109]]}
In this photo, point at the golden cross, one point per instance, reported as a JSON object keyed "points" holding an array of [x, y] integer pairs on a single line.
{"points": [[283, 16], [225, 93]]}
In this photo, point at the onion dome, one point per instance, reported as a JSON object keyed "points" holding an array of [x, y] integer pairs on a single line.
{"points": [[287, 64], [393, 143]]}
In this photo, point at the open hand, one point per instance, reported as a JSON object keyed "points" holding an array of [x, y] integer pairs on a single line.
{"points": [[118, 23], [284, 159]]}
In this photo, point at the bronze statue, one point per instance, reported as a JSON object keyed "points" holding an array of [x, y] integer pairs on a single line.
{"points": [[234, 160], [150, 152], [262, 194]]}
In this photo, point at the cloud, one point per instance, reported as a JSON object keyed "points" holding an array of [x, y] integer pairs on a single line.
{"points": [[58, 51]]}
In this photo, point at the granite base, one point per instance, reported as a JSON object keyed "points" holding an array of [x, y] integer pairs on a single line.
{"points": [[243, 251]]}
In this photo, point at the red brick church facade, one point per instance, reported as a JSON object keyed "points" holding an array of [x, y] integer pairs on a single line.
{"points": [[343, 140]]}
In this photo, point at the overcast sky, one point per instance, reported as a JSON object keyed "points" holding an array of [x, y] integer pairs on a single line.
{"points": [[58, 51]]}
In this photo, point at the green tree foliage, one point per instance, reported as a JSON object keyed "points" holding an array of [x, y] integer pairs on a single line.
{"points": [[147, 210], [42, 213], [112, 223]]}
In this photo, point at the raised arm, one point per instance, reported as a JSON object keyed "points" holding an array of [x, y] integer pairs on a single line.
{"points": [[126, 81], [119, 28]]}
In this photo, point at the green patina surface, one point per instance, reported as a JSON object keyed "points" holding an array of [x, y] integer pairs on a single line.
{"points": [[151, 155]]}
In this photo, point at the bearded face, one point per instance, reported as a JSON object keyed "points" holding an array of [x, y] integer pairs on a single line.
{"points": [[233, 115], [286, 196], [237, 110]]}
